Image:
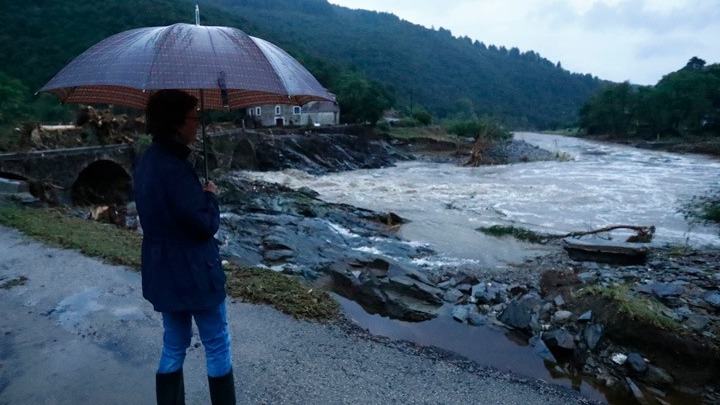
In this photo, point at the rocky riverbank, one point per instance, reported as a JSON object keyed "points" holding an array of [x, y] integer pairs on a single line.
{"points": [[649, 331], [577, 315]]}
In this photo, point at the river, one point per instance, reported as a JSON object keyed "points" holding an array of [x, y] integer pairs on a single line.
{"points": [[602, 184], [596, 185]]}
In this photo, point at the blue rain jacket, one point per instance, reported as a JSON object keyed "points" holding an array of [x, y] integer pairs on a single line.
{"points": [[181, 268]]}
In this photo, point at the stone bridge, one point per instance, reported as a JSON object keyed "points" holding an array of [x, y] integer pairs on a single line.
{"points": [[103, 174]]}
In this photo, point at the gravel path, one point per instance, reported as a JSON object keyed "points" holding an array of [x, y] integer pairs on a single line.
{"points": [[79, 331]]}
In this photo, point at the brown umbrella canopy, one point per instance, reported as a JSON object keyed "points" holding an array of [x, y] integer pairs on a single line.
{"points": [[229, 67]]}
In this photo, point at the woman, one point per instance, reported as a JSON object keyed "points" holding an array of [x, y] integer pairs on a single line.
{"points": [[182, 275]]}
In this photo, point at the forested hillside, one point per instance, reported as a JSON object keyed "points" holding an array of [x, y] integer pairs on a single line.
{"points": [[364, 57], [425, 67]]}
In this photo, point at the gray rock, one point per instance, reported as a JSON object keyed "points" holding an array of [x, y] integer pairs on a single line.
{"points": [[559, 338], [517, 315], [657, 376], [416, 289], [416, 275], [697, 321], [587, 277], [713, 299], [637, 393], [592, 334], [453, 296], [637, 363], [559, 301], [661, 290], [672, 314], [542, 350], [278, 255], [561, 317], [476, 319], [488, 294], [460, 313], [585, 317], [465, 288]]}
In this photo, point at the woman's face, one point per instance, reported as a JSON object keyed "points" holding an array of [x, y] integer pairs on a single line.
{"points": [[188, 131]]}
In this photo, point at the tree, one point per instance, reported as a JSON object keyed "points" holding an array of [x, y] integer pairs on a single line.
{"points": [[464, 109], [361, 100], [13, 100], [608, 112], [695, 63], [683, 103], [689, 99]]}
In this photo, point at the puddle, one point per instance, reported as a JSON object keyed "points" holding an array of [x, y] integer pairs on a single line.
{"points": [[488, 345], [73, 310], [495, 347]]}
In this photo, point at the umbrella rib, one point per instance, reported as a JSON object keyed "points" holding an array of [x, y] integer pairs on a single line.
{"points": [[165, 34]]}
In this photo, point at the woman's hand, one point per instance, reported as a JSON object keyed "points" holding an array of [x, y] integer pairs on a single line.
{"points": [[210, 186]]}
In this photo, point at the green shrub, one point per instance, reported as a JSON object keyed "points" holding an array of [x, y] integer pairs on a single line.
{"points": [[485, 129], [703, 208], [423, 117], [526, 235], [406, 123], [383, 126]]}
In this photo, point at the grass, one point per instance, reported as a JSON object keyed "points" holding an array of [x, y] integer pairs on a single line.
{"points": [[122, 247], [435, 132], [13, 283], [52, 226], [500, 231], [287, 294], [635, 307]]}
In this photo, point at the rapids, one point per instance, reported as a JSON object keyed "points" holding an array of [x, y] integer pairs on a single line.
{"points": [[600, 185]]}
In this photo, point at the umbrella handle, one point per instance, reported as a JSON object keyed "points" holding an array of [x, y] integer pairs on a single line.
{"points": [[204, 135]]}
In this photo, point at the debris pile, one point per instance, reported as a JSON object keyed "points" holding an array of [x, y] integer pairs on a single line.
{"points": [[92, 127]]}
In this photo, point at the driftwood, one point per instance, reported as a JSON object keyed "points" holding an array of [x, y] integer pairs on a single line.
{"points": [[624, 255], [618, 254], [644, 233]]}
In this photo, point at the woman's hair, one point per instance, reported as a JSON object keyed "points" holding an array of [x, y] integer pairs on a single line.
{"points": [[166, 111]]}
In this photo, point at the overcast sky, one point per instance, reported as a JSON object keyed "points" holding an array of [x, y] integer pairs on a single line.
{"points": [[618, 40]]}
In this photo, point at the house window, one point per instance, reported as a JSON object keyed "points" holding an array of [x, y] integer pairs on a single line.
{"points": [[296, 110], [258, 111], [278, 110], [250, 111]]}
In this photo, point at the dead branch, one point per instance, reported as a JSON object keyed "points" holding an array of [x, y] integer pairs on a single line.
{"points": [[644, 233]]}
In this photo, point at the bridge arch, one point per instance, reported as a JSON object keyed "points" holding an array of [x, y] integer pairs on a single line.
{"points": [[102, 182]]}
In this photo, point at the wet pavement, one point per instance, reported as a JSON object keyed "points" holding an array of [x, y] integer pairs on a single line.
{"points": [[78, 331]]}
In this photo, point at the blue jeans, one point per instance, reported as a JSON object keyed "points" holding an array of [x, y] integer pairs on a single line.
{"points": [[214, 333]]}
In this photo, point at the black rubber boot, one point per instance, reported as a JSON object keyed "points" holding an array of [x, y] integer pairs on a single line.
{"points": [[170, 388], [222, 389]]}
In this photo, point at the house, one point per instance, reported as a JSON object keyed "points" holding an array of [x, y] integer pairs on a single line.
{"points": [[314, 113]]}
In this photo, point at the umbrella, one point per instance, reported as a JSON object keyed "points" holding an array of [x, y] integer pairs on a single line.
{"points": [[222, 66]]}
